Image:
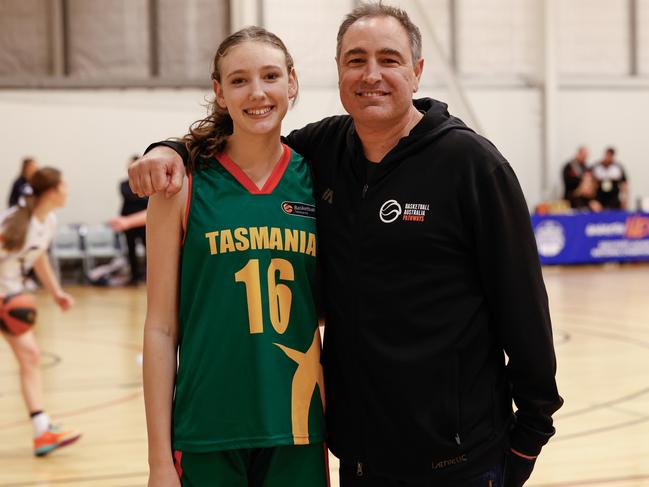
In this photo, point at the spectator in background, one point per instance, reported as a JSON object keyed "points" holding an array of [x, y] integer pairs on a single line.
{"points": [[612, 186], [586, 194], [573, 176], [21, 184], [132, 221]]}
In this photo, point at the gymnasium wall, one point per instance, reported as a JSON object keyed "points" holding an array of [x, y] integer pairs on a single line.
{"points": [[91, 133]]}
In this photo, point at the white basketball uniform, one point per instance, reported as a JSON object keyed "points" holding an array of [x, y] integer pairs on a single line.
{"points": [[15, 265]]}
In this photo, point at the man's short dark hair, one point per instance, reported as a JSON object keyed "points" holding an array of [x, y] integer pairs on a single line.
{"points": [[610, 150], [377, 9]]}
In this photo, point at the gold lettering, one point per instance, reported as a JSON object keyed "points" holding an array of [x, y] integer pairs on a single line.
{"points": [[290, 240], [302, 241], [211, 236], [241, 235], [227, 244], [258, 238], [310, 248], [275, 239]]}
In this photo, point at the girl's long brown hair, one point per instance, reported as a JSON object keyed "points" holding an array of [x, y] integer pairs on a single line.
{"points": [[14, 228], [210, 134]]}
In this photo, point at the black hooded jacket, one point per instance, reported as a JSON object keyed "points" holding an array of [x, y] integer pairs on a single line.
{"points": [[430, 276]]}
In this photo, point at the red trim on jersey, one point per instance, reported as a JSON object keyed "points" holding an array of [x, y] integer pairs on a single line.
{"points": [[273, 180], [187, 205], [326, 459], [178, 456]]}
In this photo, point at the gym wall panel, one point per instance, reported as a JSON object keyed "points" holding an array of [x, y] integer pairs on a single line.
{"points": [[643, 37], [499, 37], [434, 21], [24, 33], [309, 31], [189, 33], [108, 38], [594, 37]]}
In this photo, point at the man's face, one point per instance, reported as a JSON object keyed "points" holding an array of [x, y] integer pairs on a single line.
{"points": [[582, 155], [376, 73]]}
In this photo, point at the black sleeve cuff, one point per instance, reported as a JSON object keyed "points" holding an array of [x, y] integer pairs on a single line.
{"points": [[517, 470], [177, 146]]}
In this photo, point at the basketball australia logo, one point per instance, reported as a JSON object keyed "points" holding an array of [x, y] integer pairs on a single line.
{"points": [[298, 209], [390, 211]]}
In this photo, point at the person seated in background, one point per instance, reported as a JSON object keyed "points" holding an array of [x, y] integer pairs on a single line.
{"points": [[21, 184], [573, 176], [612, 186], [585, 195], [132, 221]]}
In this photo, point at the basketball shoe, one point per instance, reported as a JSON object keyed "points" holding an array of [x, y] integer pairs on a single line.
{"points": [[52, 439]]}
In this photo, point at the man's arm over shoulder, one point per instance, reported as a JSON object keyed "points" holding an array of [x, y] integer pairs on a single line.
{"points": [[308, 140], [161, 168]]}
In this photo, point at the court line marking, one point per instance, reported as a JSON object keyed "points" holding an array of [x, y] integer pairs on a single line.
{"points": [[81, 479], [77, 412], [642, 419]]}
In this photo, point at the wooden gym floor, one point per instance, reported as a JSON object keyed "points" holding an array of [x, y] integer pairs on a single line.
{"points": [[92, 374]]}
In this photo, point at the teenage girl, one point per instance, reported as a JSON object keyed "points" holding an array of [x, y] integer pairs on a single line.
{"points": [[26, 231], [231, 276]]}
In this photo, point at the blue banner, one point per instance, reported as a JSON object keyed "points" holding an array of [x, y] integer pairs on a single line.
{"points": [[611, 236]]}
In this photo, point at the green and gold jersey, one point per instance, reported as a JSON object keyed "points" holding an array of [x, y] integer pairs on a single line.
{"points": [[249, 373]]}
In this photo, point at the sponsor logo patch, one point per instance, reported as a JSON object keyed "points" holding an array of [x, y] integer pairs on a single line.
{"points": [[298, 209], [391, 210]]}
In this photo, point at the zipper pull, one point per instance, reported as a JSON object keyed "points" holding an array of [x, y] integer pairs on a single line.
{"points": [[457, 439], [359, 469], [364, 191]]}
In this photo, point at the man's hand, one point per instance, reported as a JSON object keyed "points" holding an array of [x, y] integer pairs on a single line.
{"points": [[161, 169], [518, 469]]}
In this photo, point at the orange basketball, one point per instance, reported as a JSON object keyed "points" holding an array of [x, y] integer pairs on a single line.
{"points": [[17, 313]]}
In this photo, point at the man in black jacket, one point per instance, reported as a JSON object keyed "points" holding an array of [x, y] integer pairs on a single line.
{"points": [[431, 276]]}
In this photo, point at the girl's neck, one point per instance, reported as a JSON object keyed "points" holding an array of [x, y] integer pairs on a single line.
{"points": [[256, 156]]}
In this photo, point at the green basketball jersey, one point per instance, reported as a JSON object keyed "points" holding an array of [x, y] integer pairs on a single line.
{"points": [[249, 373]]}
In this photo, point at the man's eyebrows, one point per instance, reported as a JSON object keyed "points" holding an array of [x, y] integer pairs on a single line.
{"points": [[385, 51], [355, 51]]}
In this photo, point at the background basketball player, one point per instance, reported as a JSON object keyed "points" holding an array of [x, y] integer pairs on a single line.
{"points": [[25, 234]]}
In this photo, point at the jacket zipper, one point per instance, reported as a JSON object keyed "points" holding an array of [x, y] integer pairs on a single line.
{"points": [[458, 406], [359, 463]]}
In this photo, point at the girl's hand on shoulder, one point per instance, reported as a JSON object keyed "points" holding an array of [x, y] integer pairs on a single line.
{"points": [[164, 477], [63, 300]]}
